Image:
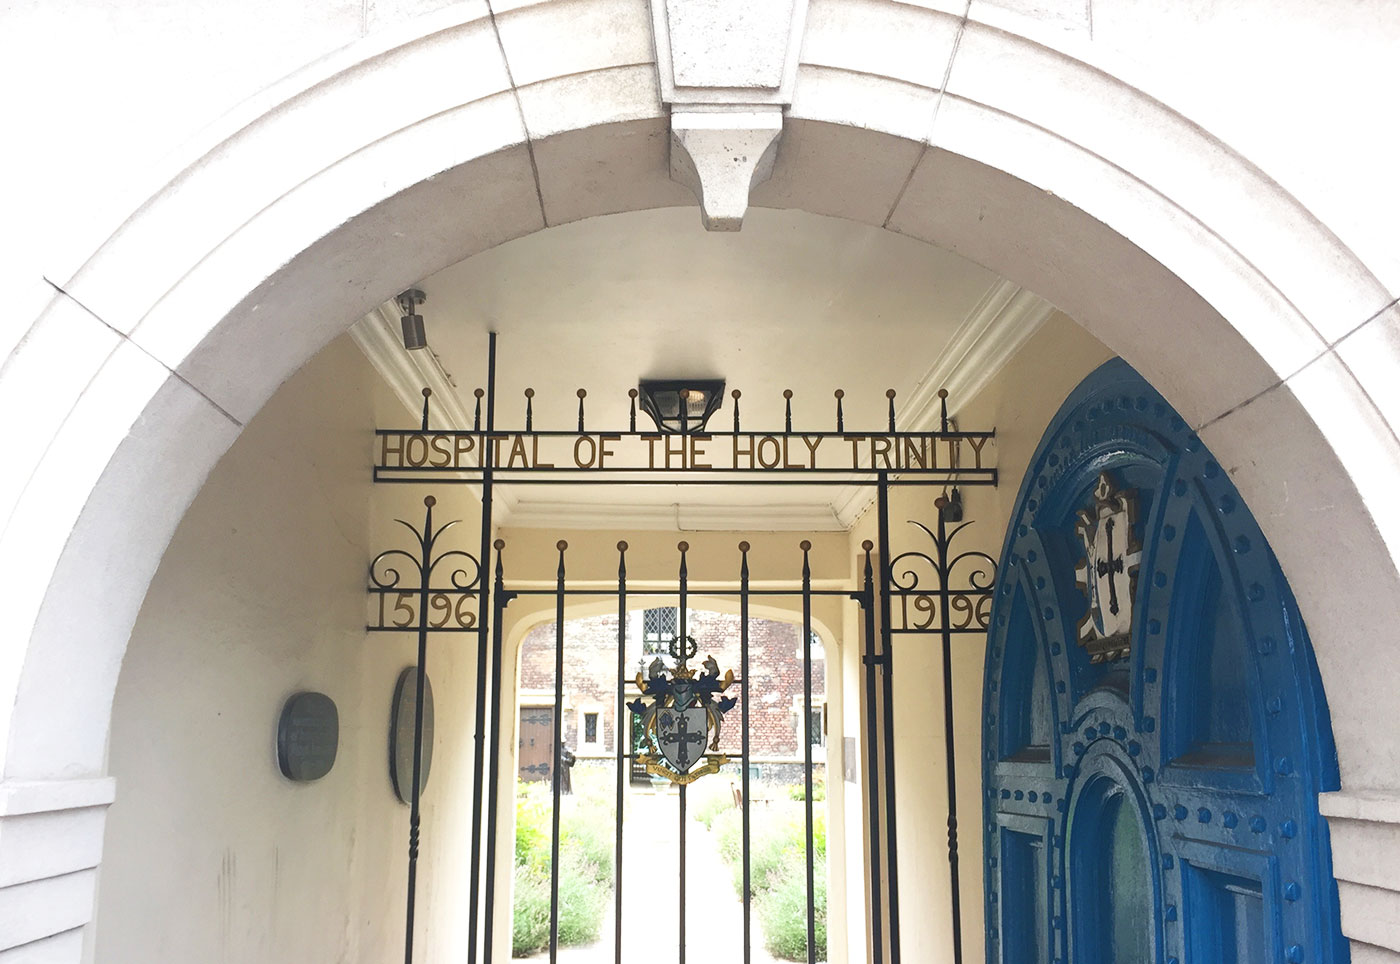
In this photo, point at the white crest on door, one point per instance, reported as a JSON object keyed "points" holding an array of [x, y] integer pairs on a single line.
{"points": [[1108, 572]]}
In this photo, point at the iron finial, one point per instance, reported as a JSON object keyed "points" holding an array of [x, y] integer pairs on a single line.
{"points": [[622, 546], [429, 501], [561, 545], [499, 544], [805, 545], [743, 547], [683, 546]]}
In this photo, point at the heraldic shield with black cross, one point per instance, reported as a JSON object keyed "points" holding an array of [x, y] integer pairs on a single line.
{"points": [[680, 715], [1108, 572]]}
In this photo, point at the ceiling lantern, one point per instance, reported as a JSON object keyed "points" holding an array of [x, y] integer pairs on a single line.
{"points": [[681, 406]]}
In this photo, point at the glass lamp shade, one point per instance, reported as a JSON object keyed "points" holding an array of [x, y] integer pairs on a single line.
{"points": [[681, 406]]}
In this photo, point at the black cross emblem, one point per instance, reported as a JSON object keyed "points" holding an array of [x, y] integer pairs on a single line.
{"points": [[1111, 565], [682, 738]]}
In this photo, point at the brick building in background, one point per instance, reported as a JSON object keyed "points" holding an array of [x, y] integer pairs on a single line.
{"points": [[590, 686]]}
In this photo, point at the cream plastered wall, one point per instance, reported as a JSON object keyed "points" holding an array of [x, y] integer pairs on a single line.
{"points": [[1227, 228], [1018, 404], [210, 853]]}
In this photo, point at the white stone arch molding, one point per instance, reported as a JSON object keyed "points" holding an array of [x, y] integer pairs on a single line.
{"points": [[328, 193]]}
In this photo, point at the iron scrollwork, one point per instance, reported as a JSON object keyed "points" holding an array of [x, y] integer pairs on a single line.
{"points": [[925, 583], [401, 582]]}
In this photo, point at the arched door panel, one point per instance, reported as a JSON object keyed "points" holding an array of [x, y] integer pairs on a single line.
{"points": [[1143, 627]]}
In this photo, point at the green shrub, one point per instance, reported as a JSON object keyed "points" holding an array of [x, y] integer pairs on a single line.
{"points": [[782, 913], [728, 828], [581, 903], [586, 840], [798, 791], [778, 874], [532, 828], [589, 833], [716, 801], [530, 922], [774, 845]]}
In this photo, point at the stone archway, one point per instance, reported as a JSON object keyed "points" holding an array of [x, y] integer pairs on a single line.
{"points": [[389, 160]]}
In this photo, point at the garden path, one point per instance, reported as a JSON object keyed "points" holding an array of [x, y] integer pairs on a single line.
{"points": [[714, 913]]}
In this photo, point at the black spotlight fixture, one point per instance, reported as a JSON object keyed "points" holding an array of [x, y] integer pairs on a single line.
{"points": [[681, 406], [414, 334]]}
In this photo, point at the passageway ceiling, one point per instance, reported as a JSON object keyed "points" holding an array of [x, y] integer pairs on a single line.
{"points": [[794, 300]]}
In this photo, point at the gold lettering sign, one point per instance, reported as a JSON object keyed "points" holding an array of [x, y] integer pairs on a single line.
{"points": [[408, 453], [392, 609]]}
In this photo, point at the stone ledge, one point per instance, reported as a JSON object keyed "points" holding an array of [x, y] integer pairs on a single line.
{"points": [[1365, 830], [1375, 806], [22, 797], [59, 949], [44, 909], [1370, 915]]}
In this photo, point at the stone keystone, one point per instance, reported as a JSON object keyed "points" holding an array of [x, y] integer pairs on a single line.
{"points": [[720, 156]]}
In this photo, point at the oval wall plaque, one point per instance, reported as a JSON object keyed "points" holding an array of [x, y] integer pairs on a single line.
{"points": [[401, 733], [308, 735]]}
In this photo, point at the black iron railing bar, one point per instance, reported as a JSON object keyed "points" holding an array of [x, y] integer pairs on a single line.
{"points": [[682, 578], [887, 692], [622, 764], [483, 606], [500, 600], [944, 570], [963, 481], [558, 756], [530, 432], [521, 475], [414, 814], [869, 663], [744, 745], [726, 593], [807, 748]]}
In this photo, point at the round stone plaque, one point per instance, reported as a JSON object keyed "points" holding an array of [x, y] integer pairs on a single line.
{"points": [[401, 733], [308, 735]]}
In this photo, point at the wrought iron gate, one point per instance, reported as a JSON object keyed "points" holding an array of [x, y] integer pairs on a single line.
{"points": [[929, 589]]}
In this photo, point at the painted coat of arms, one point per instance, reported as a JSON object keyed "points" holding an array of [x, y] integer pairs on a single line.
{"points": [[680, 715], [1108, 573]]}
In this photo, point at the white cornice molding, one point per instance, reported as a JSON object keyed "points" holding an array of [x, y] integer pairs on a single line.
{"points": [[998, 326], [759, 518], [676, 518], [407, 373], [993, 332]]}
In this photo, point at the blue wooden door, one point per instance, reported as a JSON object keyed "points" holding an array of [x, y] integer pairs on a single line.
{"points": [[1155, 731]]}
